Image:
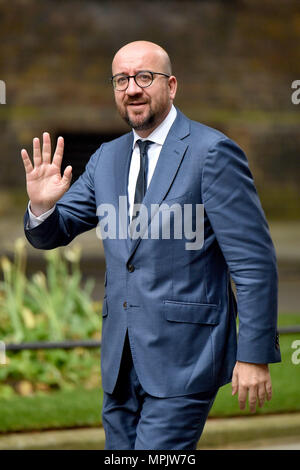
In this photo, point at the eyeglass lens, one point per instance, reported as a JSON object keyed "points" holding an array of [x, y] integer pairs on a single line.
{"points": [[142, 79]]}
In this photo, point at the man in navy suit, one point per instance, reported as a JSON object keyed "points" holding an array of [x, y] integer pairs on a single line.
{"points": [[169, 314]]}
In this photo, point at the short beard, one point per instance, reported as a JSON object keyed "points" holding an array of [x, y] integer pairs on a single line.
{"points": [[148, 123]]}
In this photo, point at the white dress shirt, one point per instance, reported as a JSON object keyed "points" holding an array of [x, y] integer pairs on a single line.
{"points": [[158, 136]]}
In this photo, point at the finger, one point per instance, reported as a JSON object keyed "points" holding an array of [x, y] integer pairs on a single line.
{"points": [[59, 151], [261, 395], [26, 161], [37, 157], [46, 148], [242, 397], [67, 176], [269, 390], [234, 384], [252, 398]]}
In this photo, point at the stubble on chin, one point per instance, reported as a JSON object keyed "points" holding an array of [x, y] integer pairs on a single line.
{"points": [[140, 124]]}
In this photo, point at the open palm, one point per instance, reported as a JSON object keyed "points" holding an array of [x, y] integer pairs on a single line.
{"points": [[45, 185]]}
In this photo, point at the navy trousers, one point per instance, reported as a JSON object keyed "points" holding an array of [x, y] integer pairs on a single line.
{"points": [[133, 419]]}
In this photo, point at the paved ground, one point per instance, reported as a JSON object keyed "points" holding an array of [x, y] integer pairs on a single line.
{"points": [[267, 444], [255, 432], [277, 444]]}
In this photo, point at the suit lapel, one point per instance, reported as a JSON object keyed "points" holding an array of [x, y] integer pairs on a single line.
{"points": [[121, 166], [169, 161]]}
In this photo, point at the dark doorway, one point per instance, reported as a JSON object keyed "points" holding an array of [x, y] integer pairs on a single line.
{"points": [[80, 146]]}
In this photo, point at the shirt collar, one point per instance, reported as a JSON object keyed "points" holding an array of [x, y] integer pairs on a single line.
{"points": [[160, 133]]}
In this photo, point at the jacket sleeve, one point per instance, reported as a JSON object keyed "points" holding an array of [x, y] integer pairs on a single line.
{"points": [[75, 212], [237, 218]]}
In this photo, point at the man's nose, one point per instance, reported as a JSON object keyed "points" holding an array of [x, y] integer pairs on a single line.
{"points": [[133, 88]]}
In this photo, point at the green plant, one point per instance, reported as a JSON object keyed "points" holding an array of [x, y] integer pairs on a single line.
{"points": [[12, 293], [47, 307]]}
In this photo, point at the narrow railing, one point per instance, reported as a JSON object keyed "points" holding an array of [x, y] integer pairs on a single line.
{"points": [[97, 344], [53, 345]]}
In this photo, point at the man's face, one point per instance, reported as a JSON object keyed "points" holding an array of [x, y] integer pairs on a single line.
{"points": [[143, 108]]}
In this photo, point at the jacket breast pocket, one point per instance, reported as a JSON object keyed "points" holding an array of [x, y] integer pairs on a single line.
{"points": [[191, 312]]}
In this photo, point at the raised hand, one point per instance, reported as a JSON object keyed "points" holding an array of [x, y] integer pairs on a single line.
{"points": [[45, 185]]}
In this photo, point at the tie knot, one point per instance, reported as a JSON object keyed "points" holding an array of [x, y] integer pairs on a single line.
{"points": [[143, 145]]}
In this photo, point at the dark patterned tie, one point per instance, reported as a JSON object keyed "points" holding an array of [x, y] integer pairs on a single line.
{"points": [[141, 183]]}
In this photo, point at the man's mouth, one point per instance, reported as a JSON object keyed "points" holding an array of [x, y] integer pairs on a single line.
{"points": [[136, 103]]}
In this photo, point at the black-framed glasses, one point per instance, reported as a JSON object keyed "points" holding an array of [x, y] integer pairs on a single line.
{"points": [[143, 79]]}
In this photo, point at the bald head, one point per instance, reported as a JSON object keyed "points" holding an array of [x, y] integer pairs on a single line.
{"points": [[141, 52], [144, 107]]}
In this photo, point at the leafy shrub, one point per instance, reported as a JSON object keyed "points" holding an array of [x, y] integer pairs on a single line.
{"points": [[47, 307]]}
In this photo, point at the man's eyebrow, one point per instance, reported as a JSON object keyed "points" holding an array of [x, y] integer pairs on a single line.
{"points": [[139, 70], [120, 73]]}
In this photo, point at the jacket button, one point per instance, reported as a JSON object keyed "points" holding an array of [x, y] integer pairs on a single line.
{"points": [[131, 268], [125, 304]]}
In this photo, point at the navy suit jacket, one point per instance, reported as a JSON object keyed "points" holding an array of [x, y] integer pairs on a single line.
{"points": [[177, 304]]}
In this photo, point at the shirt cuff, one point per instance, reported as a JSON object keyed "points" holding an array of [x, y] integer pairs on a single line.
{"points": [[34, 221]]}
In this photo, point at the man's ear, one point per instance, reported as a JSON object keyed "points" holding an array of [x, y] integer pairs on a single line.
{"points": [[172, 87]]}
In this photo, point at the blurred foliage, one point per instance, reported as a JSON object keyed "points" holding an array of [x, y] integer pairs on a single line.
{"points": [[47, 307]]}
